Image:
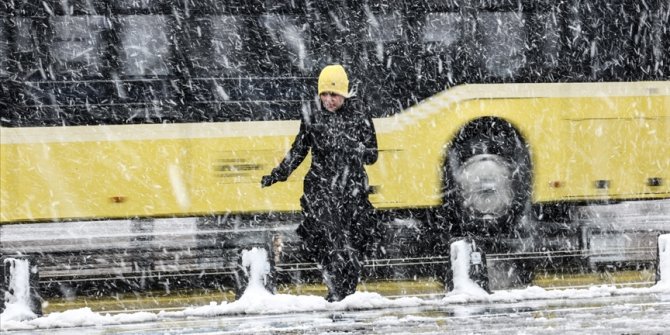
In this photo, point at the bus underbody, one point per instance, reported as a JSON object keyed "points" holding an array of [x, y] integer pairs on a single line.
{"points": [[104, 257]]}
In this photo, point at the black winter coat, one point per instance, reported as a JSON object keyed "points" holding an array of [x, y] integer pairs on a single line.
{"points": [[335, 202]]}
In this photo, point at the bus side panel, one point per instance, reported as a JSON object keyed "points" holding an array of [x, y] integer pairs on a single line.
{"points": [[420, 140], [616, 148], [618, 141], [143, 177], [8, 183], [203, 169], [91, 179], [229, 171]]}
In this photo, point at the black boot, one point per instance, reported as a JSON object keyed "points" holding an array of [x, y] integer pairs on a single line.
{"points": [[341, 274]]}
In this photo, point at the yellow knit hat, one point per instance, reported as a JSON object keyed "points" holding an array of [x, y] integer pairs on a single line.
{"points": [[333, 78]]}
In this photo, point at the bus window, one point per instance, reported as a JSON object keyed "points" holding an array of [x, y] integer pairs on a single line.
{"points": [[226, 43], [658, 39], [441, 34], [387, 66], [145, 46], [550, 38], [503, 38], [29, 54], [76, 45], [215, 45], [152, 5], [621, 46], [442, 29], [384, 27], [4, 50], [291, 36]]}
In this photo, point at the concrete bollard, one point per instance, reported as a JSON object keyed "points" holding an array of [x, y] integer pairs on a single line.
{"points": [[22, 281], [663, 259]]}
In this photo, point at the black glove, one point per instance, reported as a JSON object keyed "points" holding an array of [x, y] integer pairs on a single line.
{"points": [[268, 180]]}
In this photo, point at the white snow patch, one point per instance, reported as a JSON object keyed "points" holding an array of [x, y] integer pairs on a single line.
{"points": [[17, 307], [221, 93], [464, 288], [17, 314], [256, 260], [80, 318], [266, 303], [258, 300], [664, 262], [178, 187]]}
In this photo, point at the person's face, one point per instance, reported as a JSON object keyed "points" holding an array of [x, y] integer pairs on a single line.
{"points": [[331, 101]]}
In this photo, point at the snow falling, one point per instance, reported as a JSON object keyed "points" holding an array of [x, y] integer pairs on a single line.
{"points": [[140, 138]]}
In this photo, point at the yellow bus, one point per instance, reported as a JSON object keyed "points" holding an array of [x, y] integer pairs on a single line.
{"points": [[485, 111]]}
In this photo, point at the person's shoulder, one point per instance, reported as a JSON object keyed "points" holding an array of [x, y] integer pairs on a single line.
{"points": [[354, 102], [355, 106]]}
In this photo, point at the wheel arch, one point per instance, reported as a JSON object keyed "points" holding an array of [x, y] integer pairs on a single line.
{"points": [[513, 144], [470, 129]]}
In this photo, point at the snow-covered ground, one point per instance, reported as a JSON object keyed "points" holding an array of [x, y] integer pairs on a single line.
{"points": [[527, 306], [627, 314]]}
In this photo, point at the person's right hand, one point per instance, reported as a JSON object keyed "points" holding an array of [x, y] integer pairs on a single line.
{"points": [[267, 181]]}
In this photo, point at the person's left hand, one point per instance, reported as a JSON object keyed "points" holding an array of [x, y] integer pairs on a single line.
{"points": [[268, 181]]}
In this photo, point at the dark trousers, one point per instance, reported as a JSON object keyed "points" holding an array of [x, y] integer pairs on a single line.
{"points": [[341, 271], [335, 236]]}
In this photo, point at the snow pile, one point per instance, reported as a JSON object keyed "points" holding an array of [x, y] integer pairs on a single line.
{"points": [[266, 303], [18, 315], [664, 262], [18, 304], [258, 300], [538, 293], [256, 260], [464, 288], [84, 317], [286, 303]]}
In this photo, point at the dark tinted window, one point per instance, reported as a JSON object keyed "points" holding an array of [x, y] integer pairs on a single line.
{"points": [[504, 42], [291, 35], [442, 36], [30, 55], [144, 6], [442, 29], [4, 49], [387, 68], [384, 27], [145, 46], [549, 33], [76, 46], [215, 44]]}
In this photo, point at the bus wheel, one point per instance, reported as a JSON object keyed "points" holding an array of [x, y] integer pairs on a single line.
{"points": [[487, 180]]}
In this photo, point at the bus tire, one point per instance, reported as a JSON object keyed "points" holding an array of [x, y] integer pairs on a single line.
{"points": [[487, 180]]}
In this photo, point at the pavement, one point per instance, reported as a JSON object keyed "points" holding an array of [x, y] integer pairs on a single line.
{"points": [[155, 301]]}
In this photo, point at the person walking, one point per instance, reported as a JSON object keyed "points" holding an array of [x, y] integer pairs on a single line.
{"points": [[339, 224]]}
